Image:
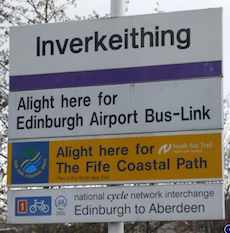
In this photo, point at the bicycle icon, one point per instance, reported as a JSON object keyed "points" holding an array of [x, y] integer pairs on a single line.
{"points": [[39, 206]]}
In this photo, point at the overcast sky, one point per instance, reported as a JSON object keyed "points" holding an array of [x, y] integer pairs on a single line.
{"points": [[85, 7]]}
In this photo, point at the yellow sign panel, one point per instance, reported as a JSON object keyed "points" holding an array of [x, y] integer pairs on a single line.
{"points": [[149, 158]]}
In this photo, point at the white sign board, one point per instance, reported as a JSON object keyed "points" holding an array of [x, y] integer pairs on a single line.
{"points": [[134, 41], [117, 109], [117, 204]]}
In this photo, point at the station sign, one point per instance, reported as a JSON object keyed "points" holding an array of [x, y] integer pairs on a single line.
{"points": [[130, 100], [117, 204], [177, 105], [117, 160], [134, 41]]}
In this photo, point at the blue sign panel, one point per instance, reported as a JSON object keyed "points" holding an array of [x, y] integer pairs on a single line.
{"points": [[30, 162], [33, 206]]}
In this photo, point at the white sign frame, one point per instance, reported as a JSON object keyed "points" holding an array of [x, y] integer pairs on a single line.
{"points": [[179, 202]]}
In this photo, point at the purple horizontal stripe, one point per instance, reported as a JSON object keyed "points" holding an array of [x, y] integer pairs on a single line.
{"points": [[116, 76]]}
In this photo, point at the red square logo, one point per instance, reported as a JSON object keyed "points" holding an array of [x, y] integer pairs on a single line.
{"points": [[22, 206]]}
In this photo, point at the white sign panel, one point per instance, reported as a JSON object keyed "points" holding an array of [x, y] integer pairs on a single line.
{"points": [[117, 109], [134, 41], [117, 204]]}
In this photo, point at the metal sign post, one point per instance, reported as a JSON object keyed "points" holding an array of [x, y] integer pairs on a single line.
{"points": [[117, 9], [116, 227]]}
